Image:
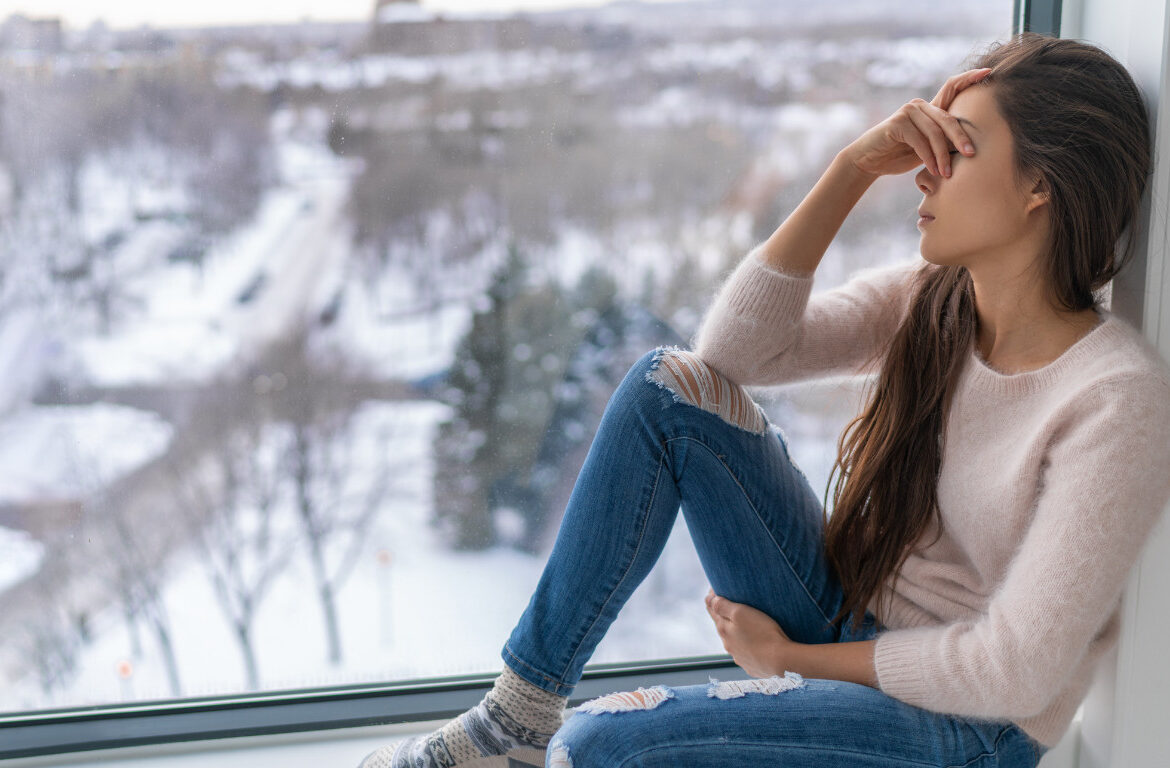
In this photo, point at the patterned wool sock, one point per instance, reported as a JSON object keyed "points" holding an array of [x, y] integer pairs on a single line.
{"points": [[509, 728]]}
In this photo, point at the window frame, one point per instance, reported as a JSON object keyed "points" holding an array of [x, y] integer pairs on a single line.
{"points": [[317, 709], [1040, 16]]}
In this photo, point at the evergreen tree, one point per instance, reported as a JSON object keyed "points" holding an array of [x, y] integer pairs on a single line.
{"points": [[467, 447], [528, 386]]}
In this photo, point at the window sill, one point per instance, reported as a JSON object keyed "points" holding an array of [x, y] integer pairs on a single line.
{"points": [[313, 714]]}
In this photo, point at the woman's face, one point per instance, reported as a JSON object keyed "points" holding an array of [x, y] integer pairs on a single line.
{"points": [[980, 214]]}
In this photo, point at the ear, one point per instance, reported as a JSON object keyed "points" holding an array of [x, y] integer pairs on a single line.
{"points": [[1038, 195]]}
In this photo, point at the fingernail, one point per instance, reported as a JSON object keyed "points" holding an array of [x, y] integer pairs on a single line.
{"points": [[947, 171], [968, 149]]}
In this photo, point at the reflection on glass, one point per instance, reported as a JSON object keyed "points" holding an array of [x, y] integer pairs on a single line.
{"points": [[306, 327]]}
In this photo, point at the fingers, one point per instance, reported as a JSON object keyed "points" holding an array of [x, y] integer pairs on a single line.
{"points": [[951, 127], [934, 151], [914, 132], [932, 133], [716, 606], [956, 83], [942, 131]]}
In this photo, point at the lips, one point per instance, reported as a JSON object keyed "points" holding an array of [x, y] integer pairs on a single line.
{"points": [[924, 215]]}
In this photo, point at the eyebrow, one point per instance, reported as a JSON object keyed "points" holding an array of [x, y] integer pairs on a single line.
{"points": [[968, 123]]}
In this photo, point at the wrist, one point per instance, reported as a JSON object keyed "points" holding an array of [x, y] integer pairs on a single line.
{"points": [[847, 162], [851, 661], [784, 656]]}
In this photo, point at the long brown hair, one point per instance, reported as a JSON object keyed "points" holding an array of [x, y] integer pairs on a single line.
{"points": [[1080, 125]]}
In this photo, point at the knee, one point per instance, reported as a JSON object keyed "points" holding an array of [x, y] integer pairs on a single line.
{"points": [[598, 733], [694, 382], [570, 747]]}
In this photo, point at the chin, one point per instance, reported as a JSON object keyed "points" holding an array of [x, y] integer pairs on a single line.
{"points": [[933, 256]]}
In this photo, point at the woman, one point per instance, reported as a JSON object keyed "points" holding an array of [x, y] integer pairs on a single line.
{"points": [[990, 499]]}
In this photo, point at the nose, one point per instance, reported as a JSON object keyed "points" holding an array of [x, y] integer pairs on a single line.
{"points": [[925, 180]]}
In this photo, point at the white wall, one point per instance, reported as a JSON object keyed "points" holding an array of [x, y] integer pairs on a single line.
{"points": [[1127, 713]]}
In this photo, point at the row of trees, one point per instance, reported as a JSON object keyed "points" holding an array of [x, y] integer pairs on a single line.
{"points": [[282, 467]]}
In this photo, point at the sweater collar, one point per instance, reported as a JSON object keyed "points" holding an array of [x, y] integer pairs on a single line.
{"points": [[1108, 331]]}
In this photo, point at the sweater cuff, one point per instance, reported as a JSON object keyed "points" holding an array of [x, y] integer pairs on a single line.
{"points": [[897, 661], [766, 294]]}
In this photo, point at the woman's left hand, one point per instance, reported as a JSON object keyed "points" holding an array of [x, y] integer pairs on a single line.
{"points": [[754, 640]]}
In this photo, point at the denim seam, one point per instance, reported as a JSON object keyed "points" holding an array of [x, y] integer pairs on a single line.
{"points": [[559, 684], [994, 750], [769, 744], [630, 563], [756, 512]]}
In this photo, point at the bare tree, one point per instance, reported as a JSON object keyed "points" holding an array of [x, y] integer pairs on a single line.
{"points": [[335, 497], [136, 573], [53, 640], [231, 502], [334, 515]]}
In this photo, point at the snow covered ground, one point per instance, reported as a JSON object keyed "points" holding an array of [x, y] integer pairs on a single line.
{"points": [[20, 557], [412, 608], [192, 322], [61, 453]]}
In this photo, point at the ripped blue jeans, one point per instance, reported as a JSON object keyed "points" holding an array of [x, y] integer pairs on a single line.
{"points": [[758, 529]]}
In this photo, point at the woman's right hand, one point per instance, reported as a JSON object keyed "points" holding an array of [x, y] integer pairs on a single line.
{"points": [[918, 133]]}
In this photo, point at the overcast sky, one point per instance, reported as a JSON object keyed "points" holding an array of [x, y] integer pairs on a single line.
{"points": [[163, 13]]}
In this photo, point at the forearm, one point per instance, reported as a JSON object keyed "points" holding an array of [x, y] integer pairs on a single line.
{"points": [[848, 661], [798, 245]]}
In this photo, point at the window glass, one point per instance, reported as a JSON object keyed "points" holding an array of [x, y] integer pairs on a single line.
{"points": [[306, 325]]}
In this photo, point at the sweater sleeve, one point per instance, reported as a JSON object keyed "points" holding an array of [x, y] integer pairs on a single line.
{"points": [[1106, 482], [763, 327]]}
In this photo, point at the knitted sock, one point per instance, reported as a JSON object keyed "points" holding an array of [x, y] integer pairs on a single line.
{"points": [[515, 718]]}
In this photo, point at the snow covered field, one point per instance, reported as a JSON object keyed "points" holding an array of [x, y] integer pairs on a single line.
{"points": [[68, 452], [20, 557], [412, 607]]}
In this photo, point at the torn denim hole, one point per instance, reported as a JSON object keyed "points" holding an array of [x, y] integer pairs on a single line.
{"points": [[628, 701], [558, 756], [734, 689], [689, 380]]}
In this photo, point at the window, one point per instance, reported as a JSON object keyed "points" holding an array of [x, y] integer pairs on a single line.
{"points": [[309, 324]]}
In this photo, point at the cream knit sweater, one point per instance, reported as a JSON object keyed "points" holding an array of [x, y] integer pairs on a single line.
{"points": [[1051, 482]]}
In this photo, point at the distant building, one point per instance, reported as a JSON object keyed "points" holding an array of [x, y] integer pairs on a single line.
{"points": [[20, 33], [405, 27], [401, 12], [99, 37]]}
